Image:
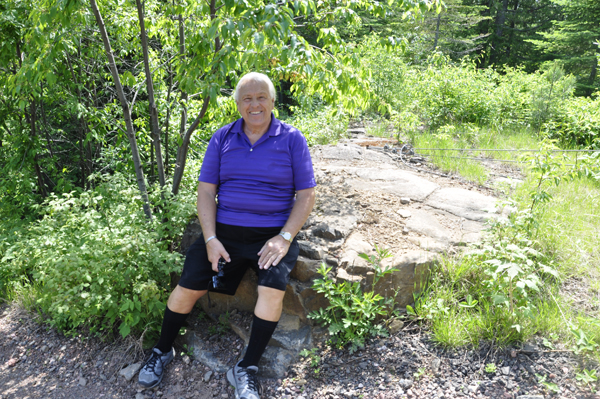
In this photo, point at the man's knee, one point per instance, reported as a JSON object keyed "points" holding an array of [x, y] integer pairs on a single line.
{"points": [[182, 299]]}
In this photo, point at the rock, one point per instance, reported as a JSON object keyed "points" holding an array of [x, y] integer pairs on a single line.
{"points": [[425, 223], [12, 362], [140, 396], [398, 182], [186, 359], [343, 275], [310, 250], [203, 352], [395, 326], [83, 382], [192, 232], [435, 366], [327, 231], [530, 397], [305, 269], [292, 340], [405, 384], [412, 270], [404, 201], [275, 362], [505, 370], [288, 323], [405, 213], [130, 371], [350, 260], [207, 376], [463, 203], [529, 349]]}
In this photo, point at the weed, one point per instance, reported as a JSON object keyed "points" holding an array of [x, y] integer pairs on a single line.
{"points": [[187, 350], [550, 386], [419, 373], [490, 368], [587, 377], [351, 313], [315, 359]]}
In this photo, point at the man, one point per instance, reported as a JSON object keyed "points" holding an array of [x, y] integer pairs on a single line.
{"points": [[260, 169]]}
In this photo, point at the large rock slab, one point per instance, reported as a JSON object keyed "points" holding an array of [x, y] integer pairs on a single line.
{"points": [[464, 203], [425, 223], [393, 181]]}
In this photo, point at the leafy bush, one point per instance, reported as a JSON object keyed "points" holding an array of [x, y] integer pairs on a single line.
{"points": [[95, 261], [352, 312], [577, 123], [321, 124]]}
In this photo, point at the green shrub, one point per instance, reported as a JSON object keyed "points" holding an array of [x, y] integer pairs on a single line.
{"points": [[352, 313], [321, 124], [576, 124], [94, 260]]}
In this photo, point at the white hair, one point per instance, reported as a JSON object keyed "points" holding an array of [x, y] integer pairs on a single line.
{"points": [[256, 77]]}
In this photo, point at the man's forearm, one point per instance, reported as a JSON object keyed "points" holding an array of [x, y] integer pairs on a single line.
{"points": [[305, 200], [207, 212]]}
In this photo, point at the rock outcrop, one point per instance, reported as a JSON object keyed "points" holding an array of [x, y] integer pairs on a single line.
{"points": [[366, 199]]}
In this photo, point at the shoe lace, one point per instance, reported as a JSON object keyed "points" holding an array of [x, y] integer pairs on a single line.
{"points": [[151, 363], [251, 380]]}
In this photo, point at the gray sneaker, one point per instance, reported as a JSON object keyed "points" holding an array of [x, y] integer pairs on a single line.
{"points": [[152, 373], [245, 382]]}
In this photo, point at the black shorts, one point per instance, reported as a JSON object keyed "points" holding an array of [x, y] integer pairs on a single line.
{"points": [[242, 244]]}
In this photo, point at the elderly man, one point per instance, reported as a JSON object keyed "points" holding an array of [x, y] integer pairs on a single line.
{"points": [[261, 171]]}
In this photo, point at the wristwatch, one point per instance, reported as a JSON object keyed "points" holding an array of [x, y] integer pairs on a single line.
{"points": [[287, 236]]}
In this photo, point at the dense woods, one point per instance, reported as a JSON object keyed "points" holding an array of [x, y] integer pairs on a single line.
{"points": [[106, 107]]}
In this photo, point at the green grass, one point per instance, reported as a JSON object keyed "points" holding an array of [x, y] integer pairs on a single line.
{"points": [[569, 226], [566, 231], [449, 161]]}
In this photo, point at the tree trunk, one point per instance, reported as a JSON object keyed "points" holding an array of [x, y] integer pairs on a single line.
{"points": [[500, 22], [36, 165], [126, 113], [437, 31], [183, 149], [593, 74], [155, 128]]}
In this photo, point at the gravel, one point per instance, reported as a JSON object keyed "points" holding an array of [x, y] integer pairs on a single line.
{"points": [[39, 362]]}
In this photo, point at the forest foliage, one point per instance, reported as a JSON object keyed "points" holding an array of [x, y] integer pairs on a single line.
{"points": [[106, 108]]}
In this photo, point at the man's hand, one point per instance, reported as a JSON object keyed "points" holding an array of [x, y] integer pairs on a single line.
{"points": [[216, 251], [272, 252]]}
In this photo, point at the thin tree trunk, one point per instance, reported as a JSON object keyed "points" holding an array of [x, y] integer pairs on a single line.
{"points": [[593, 74], [437, 31], [36, 165], [500, 22], [167, 121], [183, 120], [183, 149], [154, 126], [126, 113]]}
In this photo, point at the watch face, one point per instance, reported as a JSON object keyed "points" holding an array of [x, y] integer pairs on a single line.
{"points": [[287, 236]]}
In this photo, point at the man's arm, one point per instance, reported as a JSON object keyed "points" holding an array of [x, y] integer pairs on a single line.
{"points": [[275, 249], [207, 214]]}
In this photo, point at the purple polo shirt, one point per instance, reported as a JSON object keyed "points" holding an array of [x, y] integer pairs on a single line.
{"points": [[257, 183]]}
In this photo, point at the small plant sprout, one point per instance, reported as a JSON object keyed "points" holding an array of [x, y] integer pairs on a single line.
{"points": [[587, 377], [490, 368], [550, 386], [314, 358]]}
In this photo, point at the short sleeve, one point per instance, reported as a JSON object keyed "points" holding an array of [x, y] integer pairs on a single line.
{"points": [[211, 165], [302, 167]]}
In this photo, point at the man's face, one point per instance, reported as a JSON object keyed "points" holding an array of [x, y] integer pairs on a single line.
{"points": [[255, 105]]}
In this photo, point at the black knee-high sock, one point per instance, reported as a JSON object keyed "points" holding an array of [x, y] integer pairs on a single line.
{"points": [[261, 333], [172, 322]]}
